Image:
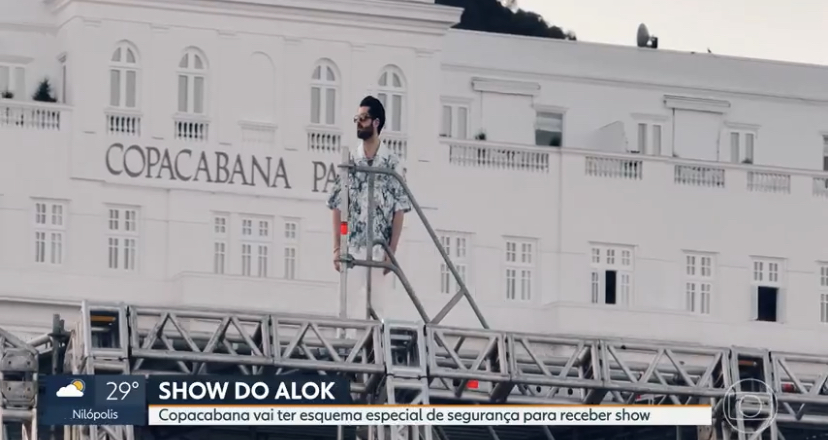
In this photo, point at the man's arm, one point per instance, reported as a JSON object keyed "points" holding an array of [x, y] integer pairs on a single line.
{"points": [[396, 230], [337, 219], [333, 203]]}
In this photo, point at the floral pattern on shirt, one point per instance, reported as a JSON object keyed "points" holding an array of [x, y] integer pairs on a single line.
{"points": [[389, 198]]}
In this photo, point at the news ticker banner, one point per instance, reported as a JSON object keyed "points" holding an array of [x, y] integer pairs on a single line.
{"points": [[302, 400], [124, 400]]}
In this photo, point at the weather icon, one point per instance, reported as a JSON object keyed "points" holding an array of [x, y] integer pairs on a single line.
{"points": [[74, 389]]}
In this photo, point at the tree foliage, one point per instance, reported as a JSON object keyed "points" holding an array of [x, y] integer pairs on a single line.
{"points": [[44, 92], [504, 17]]}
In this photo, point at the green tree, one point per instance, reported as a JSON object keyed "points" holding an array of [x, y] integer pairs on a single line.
{"points": [[44, 92], [504, 17]]}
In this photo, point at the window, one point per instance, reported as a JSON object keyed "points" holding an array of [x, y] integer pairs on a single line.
{"points": [[50, 230], [549, 129], [825, 153], [742, 146], [823, 292], [456, 246], [611, 277], [392, 95], [291, 241], [123, 237], [123, 77], [255, 247], [767, 283], [520, 268], [13, 79], [698, 282], [192, 76], [649, 139], [455, 123], [220, 238], [324, 88]]}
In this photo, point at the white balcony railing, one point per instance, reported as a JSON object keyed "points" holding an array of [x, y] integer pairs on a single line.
{"points": [[123, 123], [769, 182], [396, 142], [492, 155], [656, 170], [30, 116], [191, 129], [710, 176], [614, 167], [324, 139]]}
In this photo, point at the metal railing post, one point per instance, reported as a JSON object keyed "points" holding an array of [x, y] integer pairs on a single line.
{"points": [[369, 256], [344, 230]]}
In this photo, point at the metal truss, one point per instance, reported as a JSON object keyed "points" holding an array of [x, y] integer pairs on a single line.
{"points": [[409, 363]]}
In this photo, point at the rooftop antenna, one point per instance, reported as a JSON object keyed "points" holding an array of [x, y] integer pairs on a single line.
{"points": [[645, 39]]}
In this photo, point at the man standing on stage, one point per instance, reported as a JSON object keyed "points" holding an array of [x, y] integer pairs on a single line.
{"points": [[390, 203]]}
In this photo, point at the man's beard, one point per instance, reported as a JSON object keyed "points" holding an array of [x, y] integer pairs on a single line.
{"points": [[365, 133]]}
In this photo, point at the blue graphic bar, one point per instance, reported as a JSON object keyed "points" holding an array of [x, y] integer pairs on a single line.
{"points": [[92, 400], [123, 400]]}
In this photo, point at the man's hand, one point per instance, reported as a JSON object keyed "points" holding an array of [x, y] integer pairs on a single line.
{"points": [[337, 263], [387, 261]]}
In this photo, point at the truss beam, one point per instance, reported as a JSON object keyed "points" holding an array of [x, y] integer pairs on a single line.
{"points": [[409, 363]]}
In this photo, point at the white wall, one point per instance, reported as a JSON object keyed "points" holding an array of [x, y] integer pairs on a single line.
{"points": [[487, 191], [595, 85]]}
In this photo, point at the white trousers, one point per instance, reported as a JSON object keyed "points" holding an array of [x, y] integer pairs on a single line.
{"points": [[357, 294]]}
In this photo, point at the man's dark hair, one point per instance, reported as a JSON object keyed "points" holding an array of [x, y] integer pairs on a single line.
{"points": [[375, 110]]}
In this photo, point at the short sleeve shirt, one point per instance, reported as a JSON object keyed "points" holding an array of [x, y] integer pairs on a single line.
{"points": [[389, 198]]}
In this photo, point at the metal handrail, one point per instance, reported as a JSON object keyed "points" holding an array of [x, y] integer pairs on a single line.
{"points": [[348, 260]]}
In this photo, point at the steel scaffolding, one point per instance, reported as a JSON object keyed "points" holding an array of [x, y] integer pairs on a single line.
{"points": [[407, 363], [391, 362]]}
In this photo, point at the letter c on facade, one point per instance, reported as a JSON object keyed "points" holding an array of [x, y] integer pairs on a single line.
{"points": [[109, 168]]}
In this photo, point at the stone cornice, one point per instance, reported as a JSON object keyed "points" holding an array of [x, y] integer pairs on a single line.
{"points": [[381, 14]]}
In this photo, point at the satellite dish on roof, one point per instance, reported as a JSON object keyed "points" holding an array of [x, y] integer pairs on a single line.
{"points": [[645, 39]]}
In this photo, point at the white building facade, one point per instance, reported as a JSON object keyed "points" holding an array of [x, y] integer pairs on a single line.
{"points": [[581, 189]]}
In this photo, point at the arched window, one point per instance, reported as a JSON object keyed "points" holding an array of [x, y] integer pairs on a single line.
{"points": [[192, 79], [391, 92], [324, 88], [123, 77]]}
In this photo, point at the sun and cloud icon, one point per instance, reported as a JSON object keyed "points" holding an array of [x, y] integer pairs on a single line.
{"points": [[74, 389]]}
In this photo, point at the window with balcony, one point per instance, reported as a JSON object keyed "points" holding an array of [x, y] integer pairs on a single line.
{"points": [[455, 121], [698, 282], [548, 129], [520, 268], [742, 146], [50, 232], [291, 248], [124, 86], [823, 292], [190, 123], [13, 80], [456, 246], [256, 242], [611, 274], [122, 238], [324, 91], [649, 138], [391, 92], [766, 289], [220, 242]]}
